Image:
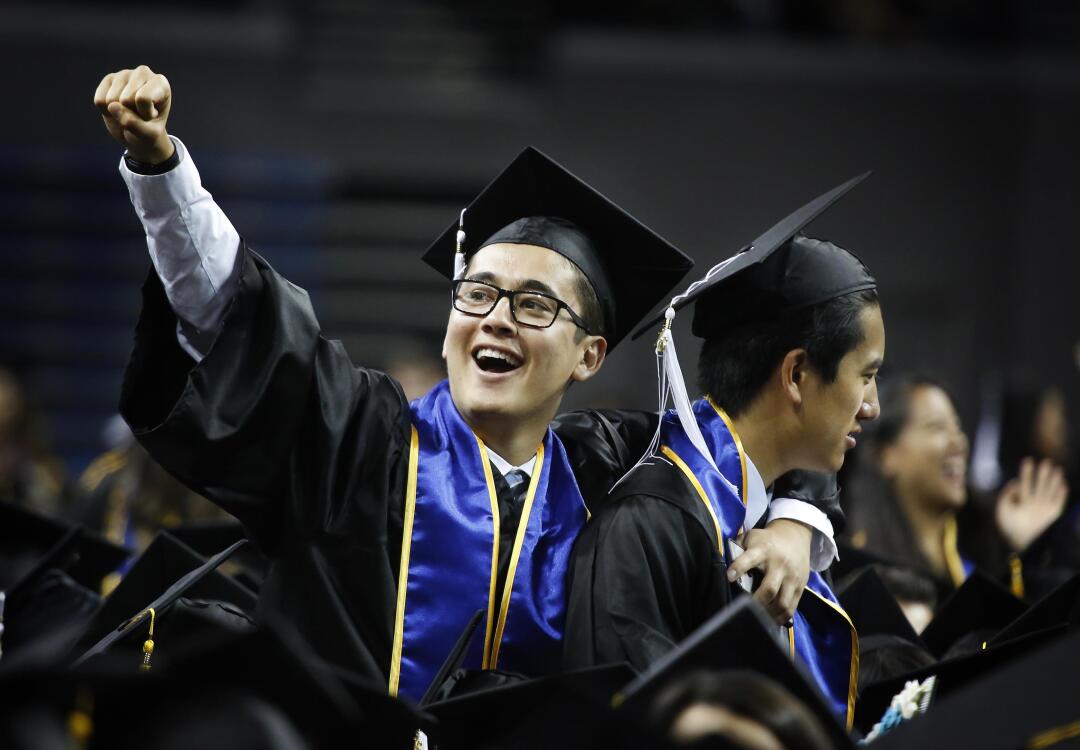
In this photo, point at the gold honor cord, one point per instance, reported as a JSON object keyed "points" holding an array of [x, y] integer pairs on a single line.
{"points": [[515, 556], [791, 641], [493, 499], [1052, 737], [701, 494], [853, 679], [952, 554], [403, 566], [1016, 575]]}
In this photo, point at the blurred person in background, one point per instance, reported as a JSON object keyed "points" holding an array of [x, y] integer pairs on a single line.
{"points": [[29, 475], [906, 504], [128, 497], [1026, 436]]}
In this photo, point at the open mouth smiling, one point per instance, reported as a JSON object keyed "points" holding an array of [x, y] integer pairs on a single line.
{"points": [[496, 361]]}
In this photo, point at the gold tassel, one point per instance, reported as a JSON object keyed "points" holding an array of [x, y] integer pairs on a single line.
{"points": [[148, 645]]}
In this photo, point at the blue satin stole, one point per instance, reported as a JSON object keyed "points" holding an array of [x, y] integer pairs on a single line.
{"points": [[823, 637], [450, 554]]}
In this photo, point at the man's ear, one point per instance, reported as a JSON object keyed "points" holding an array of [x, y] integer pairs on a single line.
{"points": [[592, 357], [793, 372]]}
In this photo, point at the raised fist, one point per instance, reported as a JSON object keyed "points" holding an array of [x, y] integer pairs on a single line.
{"points": [[135, 105]]}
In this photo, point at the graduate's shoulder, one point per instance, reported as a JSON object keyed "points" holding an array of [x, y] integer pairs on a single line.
{"points": [[655, 484]]}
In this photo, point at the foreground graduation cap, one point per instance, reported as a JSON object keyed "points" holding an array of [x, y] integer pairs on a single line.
{"points": [[873, 610], [781, 271], [1031, 703], [52, 573], [248, 565], [262, 689], [978, 609], [536, 201], [740, 636], [571, 710], [167, 571], [1047, 620], [32, 542]]}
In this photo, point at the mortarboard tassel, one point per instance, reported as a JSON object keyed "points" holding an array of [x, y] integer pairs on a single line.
{"points": [[459, 252], [148, 645]]}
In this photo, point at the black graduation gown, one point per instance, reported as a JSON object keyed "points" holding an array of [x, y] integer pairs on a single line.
{"points": [[646, 570], [310, 452]]}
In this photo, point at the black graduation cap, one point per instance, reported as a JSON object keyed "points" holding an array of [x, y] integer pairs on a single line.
{"points": [[740, 636], [1047, 620], [51, 573], [781, 271], [536, 201], [167, 571], [263, 688], [978, 609], [248, 565], [31, 542], [569, 710], [873, 610], [1030, 703], [1057, 610]]}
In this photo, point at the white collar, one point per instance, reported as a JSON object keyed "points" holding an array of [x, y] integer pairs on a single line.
{"points": [[505, 467]]}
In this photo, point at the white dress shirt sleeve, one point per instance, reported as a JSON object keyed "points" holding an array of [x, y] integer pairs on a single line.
{"points": [[192, 245], [822, 545]]}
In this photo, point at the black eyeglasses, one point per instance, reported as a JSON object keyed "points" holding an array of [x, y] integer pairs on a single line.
{"points": [[527, 308]]}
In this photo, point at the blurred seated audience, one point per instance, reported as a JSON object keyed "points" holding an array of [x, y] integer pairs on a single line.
{"points": [[29, 475], [905, 500], [736, 709], [127, 497]]}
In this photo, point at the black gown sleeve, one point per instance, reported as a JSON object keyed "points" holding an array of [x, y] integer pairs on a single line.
{"points": [[644, 576], [817, 489], [275, 423]]}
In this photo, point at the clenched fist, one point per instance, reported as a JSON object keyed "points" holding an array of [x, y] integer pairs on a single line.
{"points": [[135, 105]]}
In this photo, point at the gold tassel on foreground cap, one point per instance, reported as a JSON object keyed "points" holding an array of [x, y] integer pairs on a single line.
{"points": [[148, 645]]}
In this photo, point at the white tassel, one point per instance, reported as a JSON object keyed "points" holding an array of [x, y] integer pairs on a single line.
{"points": [[670, 383], [459, 253]]}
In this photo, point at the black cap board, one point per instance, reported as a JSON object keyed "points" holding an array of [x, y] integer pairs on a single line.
{"points": [[740, 636], [166, 571], [248, 565], [979, 608], [780, 271], [1058, 609], [31, 542], [1030, 703], [536, 201], [1053, 617], [565, 710], [873, 610]]}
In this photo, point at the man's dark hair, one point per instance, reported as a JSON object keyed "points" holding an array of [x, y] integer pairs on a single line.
{"points": [[590, 310], [734, 367]]}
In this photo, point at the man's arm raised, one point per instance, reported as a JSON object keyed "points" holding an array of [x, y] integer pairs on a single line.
{"points": [[192, 244]]}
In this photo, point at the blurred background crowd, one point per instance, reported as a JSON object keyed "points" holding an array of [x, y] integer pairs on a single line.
{"points": [[342, 136]]}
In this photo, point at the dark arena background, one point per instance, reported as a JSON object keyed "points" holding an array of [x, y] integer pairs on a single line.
{"points": [[341, 137]]}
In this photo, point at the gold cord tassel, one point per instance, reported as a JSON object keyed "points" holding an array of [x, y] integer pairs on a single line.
{"points": [[148, 645]]}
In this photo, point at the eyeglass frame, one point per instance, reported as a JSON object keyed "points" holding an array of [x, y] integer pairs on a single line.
{"points": [[511, 294]]}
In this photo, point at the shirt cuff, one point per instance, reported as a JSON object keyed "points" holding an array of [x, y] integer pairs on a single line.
{"points": [[157, 195], [822, 545]]}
